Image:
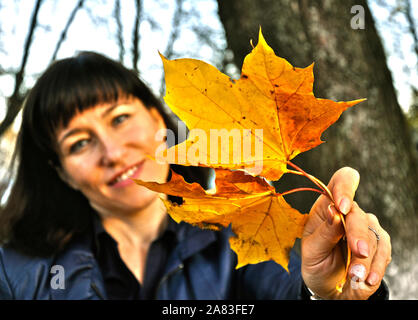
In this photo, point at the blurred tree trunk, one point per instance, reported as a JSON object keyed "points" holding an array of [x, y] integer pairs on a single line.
{"points": [[371, 137]]}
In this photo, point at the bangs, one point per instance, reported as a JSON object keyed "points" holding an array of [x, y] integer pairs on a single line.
{"points": [[81, 84]]}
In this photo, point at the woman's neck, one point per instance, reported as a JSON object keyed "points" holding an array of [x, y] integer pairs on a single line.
{"points": [[137, 229], [134, 233]]}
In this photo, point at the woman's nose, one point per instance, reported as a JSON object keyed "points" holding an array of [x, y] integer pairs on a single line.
{"points": [[113, 151]]}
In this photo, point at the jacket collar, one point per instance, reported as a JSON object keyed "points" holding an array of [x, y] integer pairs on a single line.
{"points": [[99, 232], [82, 277], [193, 239], [80, 265], [189, 239]]}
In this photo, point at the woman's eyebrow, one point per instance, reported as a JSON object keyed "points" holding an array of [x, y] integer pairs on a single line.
{"points": [[77, 130], [114, 106], [70, 133], [109, 110]]}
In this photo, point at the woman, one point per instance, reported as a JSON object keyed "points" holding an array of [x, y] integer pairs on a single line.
{"points": [[87, 127]]}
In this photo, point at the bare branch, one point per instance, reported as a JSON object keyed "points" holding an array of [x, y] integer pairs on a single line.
{"points": [[175, 30], [135, 36], [15, 100], [206, 35], [67, 26], [411, 24], [119, 32]]}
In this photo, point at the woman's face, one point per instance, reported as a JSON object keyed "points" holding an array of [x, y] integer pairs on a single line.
{"points": [[104, 147]]}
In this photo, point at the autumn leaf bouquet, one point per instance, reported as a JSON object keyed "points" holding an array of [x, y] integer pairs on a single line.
{"points": [[248, 130]]}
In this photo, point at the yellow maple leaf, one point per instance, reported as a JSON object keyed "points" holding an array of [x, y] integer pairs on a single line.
{"points": [[265, 226], [264, 119], [271, 108]]}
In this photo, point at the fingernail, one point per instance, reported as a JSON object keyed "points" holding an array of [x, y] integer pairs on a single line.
{"points": [[373, 278], [330, 217], [363, 248], [358, 271], [345, 205]]}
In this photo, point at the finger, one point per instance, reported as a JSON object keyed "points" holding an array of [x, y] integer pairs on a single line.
{"points": [[360, 289], [343, 186], [320, 212], [362, 242], [322, 241], [361, 265], [358, 234], [381, 258]]}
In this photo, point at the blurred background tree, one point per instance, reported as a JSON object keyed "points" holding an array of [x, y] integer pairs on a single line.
{"points": [[378, 61], [350, 63]]}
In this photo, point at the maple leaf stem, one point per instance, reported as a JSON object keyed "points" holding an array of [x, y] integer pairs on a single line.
{"points": [[340, 284], [301, 189], [315, 180], [327, 193]]}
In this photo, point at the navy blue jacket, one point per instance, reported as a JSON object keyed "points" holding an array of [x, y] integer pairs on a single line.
{"points": [[202, 266]]}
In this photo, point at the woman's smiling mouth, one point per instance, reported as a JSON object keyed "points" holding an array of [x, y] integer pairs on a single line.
{"points": [[123, 178]]}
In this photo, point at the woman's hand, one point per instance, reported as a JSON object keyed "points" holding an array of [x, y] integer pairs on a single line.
{"points": [[323, 252]]}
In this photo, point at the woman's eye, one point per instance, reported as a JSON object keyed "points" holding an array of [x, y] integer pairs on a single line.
{"points": [[119, 119], [77, 146]]}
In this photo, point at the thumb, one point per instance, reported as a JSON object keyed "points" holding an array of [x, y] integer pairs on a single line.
{"points": [[319, 245]]}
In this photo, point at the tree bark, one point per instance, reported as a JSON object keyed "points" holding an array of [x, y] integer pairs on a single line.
{"points": [[371, 137]]}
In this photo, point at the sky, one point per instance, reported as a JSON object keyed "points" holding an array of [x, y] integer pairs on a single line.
{"points": [[402, 61], [92, 34]]}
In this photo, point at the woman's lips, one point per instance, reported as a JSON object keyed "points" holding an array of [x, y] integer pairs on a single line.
{"points": [[123, 179]]}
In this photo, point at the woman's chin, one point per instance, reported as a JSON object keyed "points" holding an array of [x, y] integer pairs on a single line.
{"points": [[137, 199]]}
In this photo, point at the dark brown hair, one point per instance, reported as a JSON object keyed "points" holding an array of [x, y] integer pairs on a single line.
{"points": [[42, 213]]}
